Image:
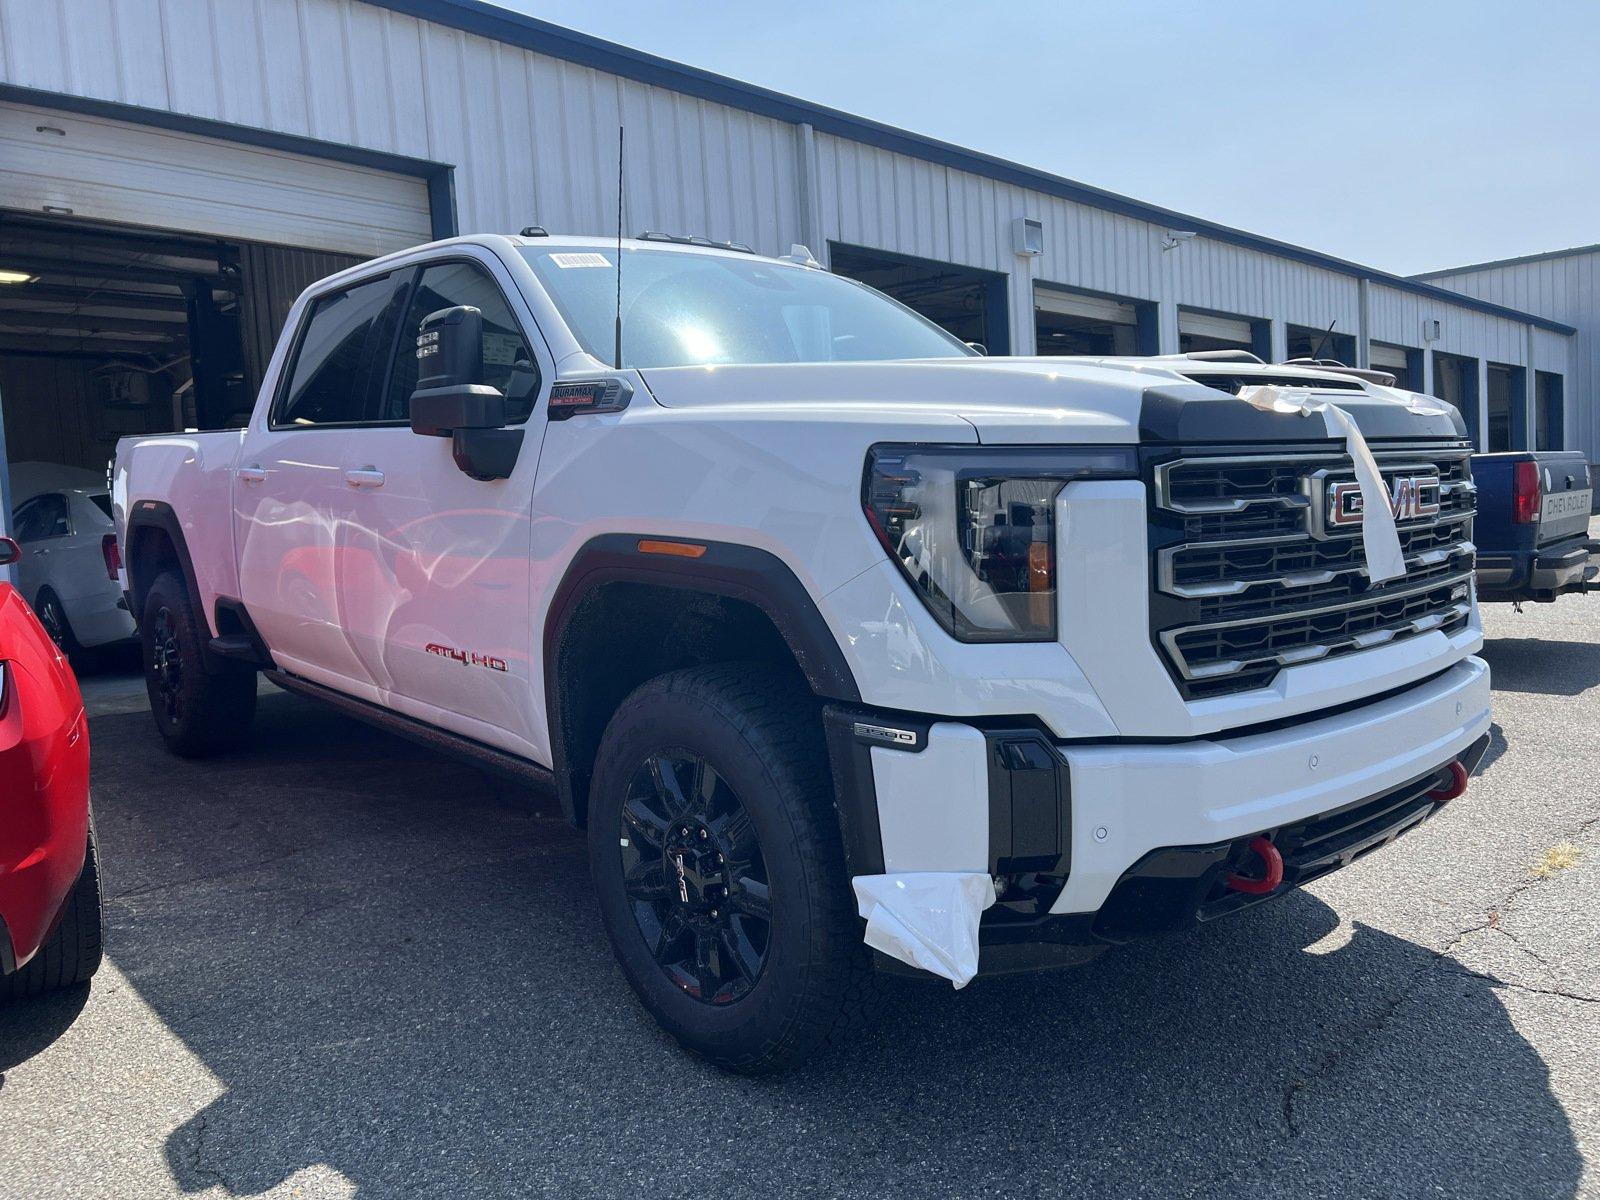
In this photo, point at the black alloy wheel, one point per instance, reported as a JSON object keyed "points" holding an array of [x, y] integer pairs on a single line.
{"points": [[166, 664], [695, 878]]}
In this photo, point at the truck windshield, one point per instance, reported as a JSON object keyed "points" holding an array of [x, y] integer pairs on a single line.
{"points": [[683, 309]]}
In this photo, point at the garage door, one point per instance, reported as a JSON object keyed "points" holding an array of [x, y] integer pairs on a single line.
{"points": [[1090, 308], [1224, 329], [115, 171], [1388, 358]]}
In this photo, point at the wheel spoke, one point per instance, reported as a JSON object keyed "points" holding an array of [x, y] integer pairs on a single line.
{"points": [[752, 897], [706, 972], [664, 773], [644, 825], [737, 834], [705, 786], [737, 950], [646, 882]]}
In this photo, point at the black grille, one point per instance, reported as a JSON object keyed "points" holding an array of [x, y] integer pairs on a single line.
{"points": [[1248, 577]]}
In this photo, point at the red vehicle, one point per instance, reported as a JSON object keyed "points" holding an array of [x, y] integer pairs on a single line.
{"points": [[49, 882]]}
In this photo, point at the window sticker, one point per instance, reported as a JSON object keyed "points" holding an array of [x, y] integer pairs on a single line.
{"points": [[568, 261], [500, 349]]}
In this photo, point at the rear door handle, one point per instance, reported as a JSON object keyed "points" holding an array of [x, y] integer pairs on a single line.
{"points": [[365, 477], [254, 473]]}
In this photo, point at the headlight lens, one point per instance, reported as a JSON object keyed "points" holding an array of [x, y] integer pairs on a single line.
{"points": [[973, 528]]}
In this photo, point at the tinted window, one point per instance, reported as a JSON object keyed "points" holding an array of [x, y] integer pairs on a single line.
{"points": [[42, 517], [683, 309], [343, 354], [103, 502], [507, 362]]}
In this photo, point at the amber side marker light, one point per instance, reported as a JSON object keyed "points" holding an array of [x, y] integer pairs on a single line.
{"points": [[680, 549]]}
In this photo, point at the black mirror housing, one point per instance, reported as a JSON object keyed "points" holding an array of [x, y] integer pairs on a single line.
{"points": [[451, 399], [439, 412]]}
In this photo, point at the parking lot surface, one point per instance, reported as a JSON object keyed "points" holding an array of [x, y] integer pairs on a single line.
{"points": [[341, 965]]}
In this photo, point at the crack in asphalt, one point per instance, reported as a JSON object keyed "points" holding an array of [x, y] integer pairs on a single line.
{"points": [[1374, 1026], [197, 1155]]}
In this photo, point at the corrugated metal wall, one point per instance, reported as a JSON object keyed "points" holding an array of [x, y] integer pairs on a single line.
{"points": [[1565, 288], [533, 139]]}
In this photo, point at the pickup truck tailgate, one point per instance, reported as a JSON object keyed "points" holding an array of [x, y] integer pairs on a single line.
{"points": [[1567, 496]]}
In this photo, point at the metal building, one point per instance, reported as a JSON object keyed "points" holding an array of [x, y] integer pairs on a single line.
{"points": [[1563, 285], [172, 172]]}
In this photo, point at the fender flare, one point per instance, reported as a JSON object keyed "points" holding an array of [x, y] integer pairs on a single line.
{"points": [[157, 514], [739, 572]]}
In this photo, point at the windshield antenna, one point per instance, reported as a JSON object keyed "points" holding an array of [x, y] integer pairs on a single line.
{"points": [[1316, 354], [619, 249]]}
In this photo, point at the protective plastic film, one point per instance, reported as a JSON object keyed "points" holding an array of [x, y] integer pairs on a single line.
{"points": [[927, 918]]}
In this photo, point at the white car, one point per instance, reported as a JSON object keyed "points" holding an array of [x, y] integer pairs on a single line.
{"points": [[61, 516], [854, 651]]}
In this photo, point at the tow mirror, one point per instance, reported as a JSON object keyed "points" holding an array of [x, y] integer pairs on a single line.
{"points": [[9, 552], [451, 400]]}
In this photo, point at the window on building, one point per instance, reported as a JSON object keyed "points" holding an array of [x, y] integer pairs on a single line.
{"points": [[343, 354], [1302, 341], [1549, 420], [1075, 323]]}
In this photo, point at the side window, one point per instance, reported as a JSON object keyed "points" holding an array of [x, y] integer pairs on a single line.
{"points": [[42, 517], [339, 365], [508, 363]]}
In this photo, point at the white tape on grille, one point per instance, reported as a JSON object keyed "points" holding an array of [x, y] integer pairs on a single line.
{"points": [[1380, 541]]}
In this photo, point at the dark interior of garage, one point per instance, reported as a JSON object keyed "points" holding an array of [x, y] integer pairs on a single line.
{"points": [[107, 331], [1455, 380], [968, 303]]}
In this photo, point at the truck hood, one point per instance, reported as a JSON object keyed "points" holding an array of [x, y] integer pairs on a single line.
{"points": [[1040, 400]]}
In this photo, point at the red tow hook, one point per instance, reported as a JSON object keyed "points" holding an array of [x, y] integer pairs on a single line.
{"points": [[1456, 786], [1268, 853]]}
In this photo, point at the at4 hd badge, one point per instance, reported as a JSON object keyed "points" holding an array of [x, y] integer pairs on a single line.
{"points": [[466, 658]]}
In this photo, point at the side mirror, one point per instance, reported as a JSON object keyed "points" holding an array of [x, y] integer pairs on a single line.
{"points": [[451, 400], [9, 551], [979, 347]]}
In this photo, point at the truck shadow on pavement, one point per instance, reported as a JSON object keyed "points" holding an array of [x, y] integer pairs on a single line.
{"points": [[1546, 667], [393, 966]]}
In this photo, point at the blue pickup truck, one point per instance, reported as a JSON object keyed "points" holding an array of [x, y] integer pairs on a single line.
{"points": [[1532, 525]]}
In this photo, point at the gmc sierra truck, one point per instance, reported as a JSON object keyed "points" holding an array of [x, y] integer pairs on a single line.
{"points": [[853, 650]]}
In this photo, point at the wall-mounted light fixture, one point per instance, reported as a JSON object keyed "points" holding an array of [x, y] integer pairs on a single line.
{"points": [[1027, 237]]}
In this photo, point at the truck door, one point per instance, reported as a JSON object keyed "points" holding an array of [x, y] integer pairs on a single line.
{"points": [[291, 495], [449, 637]]}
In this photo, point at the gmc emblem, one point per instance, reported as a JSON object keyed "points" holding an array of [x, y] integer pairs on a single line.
{"points": [[1411, 497]]}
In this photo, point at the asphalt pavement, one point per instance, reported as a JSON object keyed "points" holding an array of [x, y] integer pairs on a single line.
{"points": [[339, 965]]}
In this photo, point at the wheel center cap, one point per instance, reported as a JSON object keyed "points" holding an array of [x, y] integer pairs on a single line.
{"points": [[694, 868]]}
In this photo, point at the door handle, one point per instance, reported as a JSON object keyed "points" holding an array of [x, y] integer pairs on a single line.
{"points": [[364, 477], [254, 473]]}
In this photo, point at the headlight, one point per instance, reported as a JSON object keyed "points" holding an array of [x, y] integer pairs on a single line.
{"points": [[973, 528]]}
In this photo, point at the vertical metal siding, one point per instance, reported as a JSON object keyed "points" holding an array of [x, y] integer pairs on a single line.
{"points": [[1566, 289]]}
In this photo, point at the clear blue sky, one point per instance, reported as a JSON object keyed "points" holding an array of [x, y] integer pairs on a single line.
{"points": [[1407, 136]]}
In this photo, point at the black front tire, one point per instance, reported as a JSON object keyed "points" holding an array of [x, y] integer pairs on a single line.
{"points": [[73, 952], [760, 732], [198, 711]]}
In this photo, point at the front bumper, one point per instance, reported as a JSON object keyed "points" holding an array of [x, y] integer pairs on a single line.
{"points": [[1067, 834]]}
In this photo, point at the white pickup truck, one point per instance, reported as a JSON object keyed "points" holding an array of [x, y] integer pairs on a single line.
{"points": [[852, 649]]}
